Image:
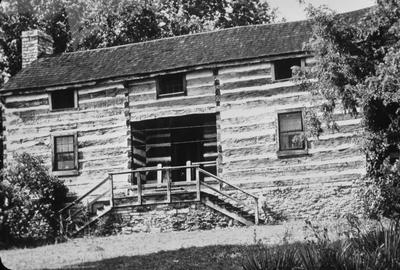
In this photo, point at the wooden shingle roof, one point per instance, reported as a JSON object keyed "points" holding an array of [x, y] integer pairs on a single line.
{"points": [[139, 59]]}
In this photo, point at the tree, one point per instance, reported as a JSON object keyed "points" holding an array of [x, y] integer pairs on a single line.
{"points": [[358, 66], [22, 15], [107, 23]]}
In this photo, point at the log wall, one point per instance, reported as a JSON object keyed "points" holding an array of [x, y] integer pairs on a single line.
{"points": [[244, 140], [100, 122], [250, 102], [200, 98]]}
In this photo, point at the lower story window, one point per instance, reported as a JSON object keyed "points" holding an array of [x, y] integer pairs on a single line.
{"points": [[64, 153], [291, 131]]}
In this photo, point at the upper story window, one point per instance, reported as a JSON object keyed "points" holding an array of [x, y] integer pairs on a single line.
{"points": [[171, 85], [283, 68], [65, 153], [291, 131], [63, 99]]}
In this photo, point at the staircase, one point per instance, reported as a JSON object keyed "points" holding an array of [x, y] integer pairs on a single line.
{"points": [[207, 188]]}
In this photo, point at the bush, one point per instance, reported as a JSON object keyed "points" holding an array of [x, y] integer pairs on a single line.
{"points": [[29, 201], [372, 249]]}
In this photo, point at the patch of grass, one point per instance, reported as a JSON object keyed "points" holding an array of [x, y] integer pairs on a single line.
{"points": [[221, 257], [372, 249]]}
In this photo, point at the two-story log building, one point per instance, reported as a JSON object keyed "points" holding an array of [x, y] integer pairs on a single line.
{"points": [[223, 101]]}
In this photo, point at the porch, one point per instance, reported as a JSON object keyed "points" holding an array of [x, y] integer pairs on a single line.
{"points": [[201, 186]]}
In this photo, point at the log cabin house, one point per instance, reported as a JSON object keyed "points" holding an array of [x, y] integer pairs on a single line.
{"points": [[211, 117]]}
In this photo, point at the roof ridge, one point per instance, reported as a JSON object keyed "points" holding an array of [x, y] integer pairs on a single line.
{"points": [[181, 36]]}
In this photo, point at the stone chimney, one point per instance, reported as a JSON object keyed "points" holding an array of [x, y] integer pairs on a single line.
{"points": [[35, 44]]}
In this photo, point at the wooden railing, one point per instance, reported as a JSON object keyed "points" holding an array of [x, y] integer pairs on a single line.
{"points": [[162, 186], [223, 182], [66, 214]]}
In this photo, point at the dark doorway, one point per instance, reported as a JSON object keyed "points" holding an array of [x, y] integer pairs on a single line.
{"points": [[172, 141], [186, 144]]}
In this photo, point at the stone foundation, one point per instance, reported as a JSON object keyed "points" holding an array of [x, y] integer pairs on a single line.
{"points": [[313, 202], [165, 218]]}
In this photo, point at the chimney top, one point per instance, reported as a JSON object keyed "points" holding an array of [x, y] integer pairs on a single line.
{"points": [[35, 43]]}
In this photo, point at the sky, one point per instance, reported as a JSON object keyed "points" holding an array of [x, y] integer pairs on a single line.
{"points": [[291, 10]]}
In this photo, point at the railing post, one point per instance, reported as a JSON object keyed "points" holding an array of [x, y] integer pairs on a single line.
{"points": [[159, 174], [112, 190], [188, 171], [256, 214], [139, 188], [168, 191], [61, 225], [198, 198]]}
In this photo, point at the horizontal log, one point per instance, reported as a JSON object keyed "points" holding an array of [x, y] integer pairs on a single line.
{"points": [[28, 103], [240, 75], [142, 97], [246, 83], [331, 179], [144, 86], [103, 103], [102, 93], [243, 68], [257, 93], [43, 118], [205, 90], [316, 158], [172, 112], [182, 101], [198, 74]]}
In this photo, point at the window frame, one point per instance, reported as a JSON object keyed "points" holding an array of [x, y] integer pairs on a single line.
{"points": [[69, 172], [175, 94], [63, 109], [273, 71], [291, 152]]}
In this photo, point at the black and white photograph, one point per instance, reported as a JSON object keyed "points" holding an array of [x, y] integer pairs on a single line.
{"points": [[200, 134]]}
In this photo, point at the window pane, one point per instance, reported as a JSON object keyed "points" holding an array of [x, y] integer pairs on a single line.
{"points": [[290, 122], [65, 161], [64, 153], [63, 99], [291, 141], [171, 84], [64, 144], [283, 68]]}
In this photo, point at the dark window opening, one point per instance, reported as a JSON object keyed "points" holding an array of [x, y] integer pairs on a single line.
{"points": [[283, 68], [291, 132], [64, 153], [171, 84], [63, 99]]}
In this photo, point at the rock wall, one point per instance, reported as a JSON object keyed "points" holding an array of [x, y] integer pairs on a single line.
{"points": [[164, 218]]}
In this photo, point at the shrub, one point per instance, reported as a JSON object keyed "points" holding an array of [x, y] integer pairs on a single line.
{"points": [[30, 199], [372, 249]]}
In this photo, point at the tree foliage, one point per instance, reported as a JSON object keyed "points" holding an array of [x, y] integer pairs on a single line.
{"points": [[29, 201], [358, 68], [22, 15], [110, 23]]}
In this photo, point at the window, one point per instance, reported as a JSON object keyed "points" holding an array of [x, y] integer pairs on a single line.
{"points": [[64, 99], [65, 153], [171, 85], [283, 68], [291, 132]]}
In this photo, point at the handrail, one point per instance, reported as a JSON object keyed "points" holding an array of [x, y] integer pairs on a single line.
{"points": [[149, 169], [227, 183], [84, 195], [205, 162]]}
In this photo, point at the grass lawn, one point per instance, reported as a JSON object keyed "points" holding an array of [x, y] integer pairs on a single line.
{"points": [[213, 249], [227, 257]]}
